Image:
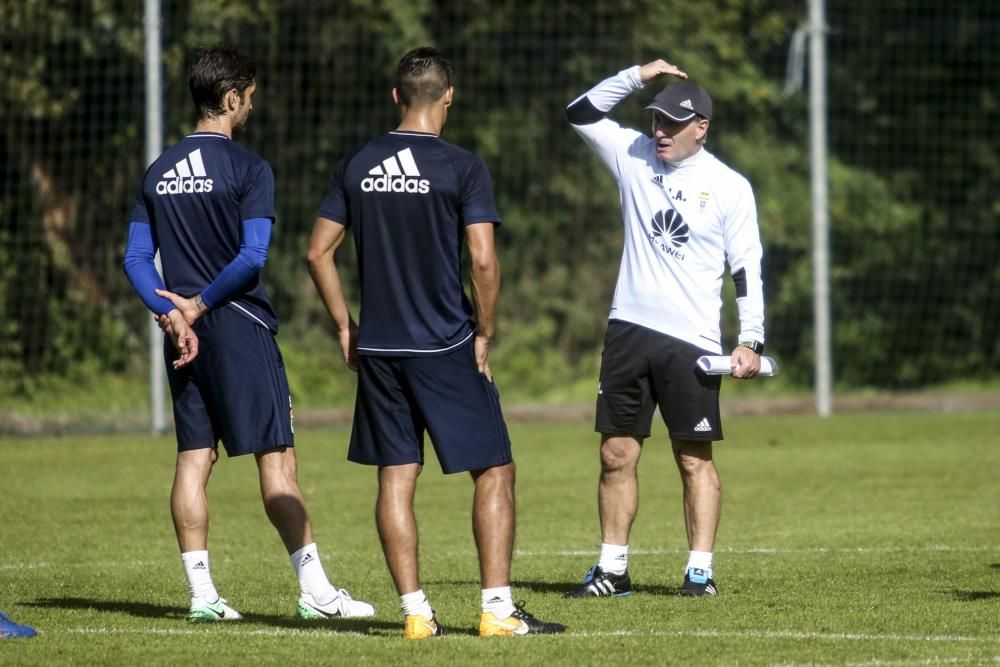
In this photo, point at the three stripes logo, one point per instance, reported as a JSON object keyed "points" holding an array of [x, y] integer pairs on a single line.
{"points": [[397, 173], [670, 232], [703, 426], [657, 180], [187, 176]]}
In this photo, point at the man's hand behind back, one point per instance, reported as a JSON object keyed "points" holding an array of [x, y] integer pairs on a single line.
{"points": [[191, 309], [181, 335]]}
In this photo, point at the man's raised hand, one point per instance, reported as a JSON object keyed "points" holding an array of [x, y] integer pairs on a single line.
{"points": [[654, 70]]}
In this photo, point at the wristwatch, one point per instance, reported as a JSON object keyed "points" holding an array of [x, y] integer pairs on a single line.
{"points": [[754, 345]]}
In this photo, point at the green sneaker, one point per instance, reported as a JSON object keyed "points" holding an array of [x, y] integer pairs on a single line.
{"points": [[209, 612]]}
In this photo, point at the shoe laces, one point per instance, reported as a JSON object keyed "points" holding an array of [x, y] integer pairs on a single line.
{"points": [[520, 612]]}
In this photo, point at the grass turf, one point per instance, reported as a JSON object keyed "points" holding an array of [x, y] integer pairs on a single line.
{"points": [[870, 539]]}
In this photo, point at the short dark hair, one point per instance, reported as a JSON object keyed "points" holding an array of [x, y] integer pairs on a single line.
{"points": [[422, 76], [214, 72]]}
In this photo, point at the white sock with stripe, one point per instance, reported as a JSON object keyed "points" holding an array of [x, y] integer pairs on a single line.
{"points": [[199, 575], [312, 577], [614, 558], [498, 601]]}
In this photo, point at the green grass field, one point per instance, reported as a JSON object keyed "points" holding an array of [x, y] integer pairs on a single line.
{"points": [[865, 539]]}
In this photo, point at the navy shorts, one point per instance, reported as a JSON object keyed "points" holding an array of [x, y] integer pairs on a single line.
{"points": [[399, 398], [642, 369], [235, 390]]}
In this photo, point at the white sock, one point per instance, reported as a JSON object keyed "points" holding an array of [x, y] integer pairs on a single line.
{"points": [[498, 601], [199, 576], [416, 603], [700, 560], [614, 558], [312, 578]]}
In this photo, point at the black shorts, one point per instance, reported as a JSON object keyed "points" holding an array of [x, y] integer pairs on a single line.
{"points": [[399, 398], [642, 369], [235, 390]]}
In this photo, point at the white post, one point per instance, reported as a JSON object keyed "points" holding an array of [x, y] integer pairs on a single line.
{"points": [[820, 218], [154, 146]]}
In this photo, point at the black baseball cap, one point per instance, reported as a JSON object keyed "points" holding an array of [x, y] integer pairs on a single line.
{"points": [[682, 101]]}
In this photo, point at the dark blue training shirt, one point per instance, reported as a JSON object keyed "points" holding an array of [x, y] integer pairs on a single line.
{"points": [[195, 197], [407, 197]]}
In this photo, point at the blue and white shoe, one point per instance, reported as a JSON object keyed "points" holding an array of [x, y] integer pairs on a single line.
{"points": [[598, 583], [698, 582], [11, 630]]}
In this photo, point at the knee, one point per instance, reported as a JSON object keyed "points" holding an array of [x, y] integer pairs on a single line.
{"points": [[618, 454], [697, 465], [499, 477]]}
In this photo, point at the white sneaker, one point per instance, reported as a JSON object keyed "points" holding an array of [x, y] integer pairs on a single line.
{"points": [[203, 611], [341, 606]]}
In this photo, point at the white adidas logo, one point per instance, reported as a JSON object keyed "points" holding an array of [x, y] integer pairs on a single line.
{"points": [[703, 426], [187, 176], [397, 173], [687, 105]]}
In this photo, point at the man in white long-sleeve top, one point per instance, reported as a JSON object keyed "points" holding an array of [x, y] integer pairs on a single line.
{"points": [[686, 215]]}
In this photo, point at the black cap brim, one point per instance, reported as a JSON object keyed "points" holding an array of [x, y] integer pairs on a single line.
{"points": [[671, 116]]}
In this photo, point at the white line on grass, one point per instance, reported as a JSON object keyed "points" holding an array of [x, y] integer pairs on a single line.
{"points": [[782, 634], [930, 548], [228, 628], [531, 553], [44, 564], [967, 660], [683, 634]]}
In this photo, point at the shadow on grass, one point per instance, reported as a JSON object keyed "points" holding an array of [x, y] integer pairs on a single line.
{"points": [[148, 610], [975, 596], [995, 566], [550, 587]]}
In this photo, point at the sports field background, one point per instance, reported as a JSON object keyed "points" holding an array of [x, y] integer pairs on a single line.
{"points": [[865, 539], [914, 172]]}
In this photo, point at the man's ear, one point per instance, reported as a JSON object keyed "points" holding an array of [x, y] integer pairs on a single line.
{"points": [[448, 96], [703, 124], [230, 100], [395, 97]]}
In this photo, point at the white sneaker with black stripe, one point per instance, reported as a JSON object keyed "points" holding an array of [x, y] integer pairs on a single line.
{"points": [[598, 583]]}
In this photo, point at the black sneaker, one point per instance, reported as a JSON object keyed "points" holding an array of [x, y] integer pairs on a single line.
{"points": [[598, 583], [518, 623], [697, 583]]}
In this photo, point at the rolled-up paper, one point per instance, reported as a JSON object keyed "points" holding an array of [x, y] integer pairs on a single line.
{"points": [[721, 365]]}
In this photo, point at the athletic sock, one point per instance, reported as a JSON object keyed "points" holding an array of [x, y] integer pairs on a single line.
{"points": [[416, 603], [312, 578], [199, 575], [498, 601], [700, 560], [614, 558]]}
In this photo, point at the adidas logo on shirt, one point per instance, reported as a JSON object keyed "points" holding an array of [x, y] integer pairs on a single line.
{"points": [[657, 180], [187, 176], [397, 173], [703, 426]]}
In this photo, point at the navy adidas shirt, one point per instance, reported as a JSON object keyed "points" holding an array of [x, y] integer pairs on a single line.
{"points": [[195, 197], [407, 197]]}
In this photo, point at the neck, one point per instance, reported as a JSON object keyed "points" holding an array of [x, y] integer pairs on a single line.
{"points": [[428, 119], [220, 124]]}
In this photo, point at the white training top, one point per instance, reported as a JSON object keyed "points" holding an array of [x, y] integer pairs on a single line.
{"points": [[683, 221]]}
